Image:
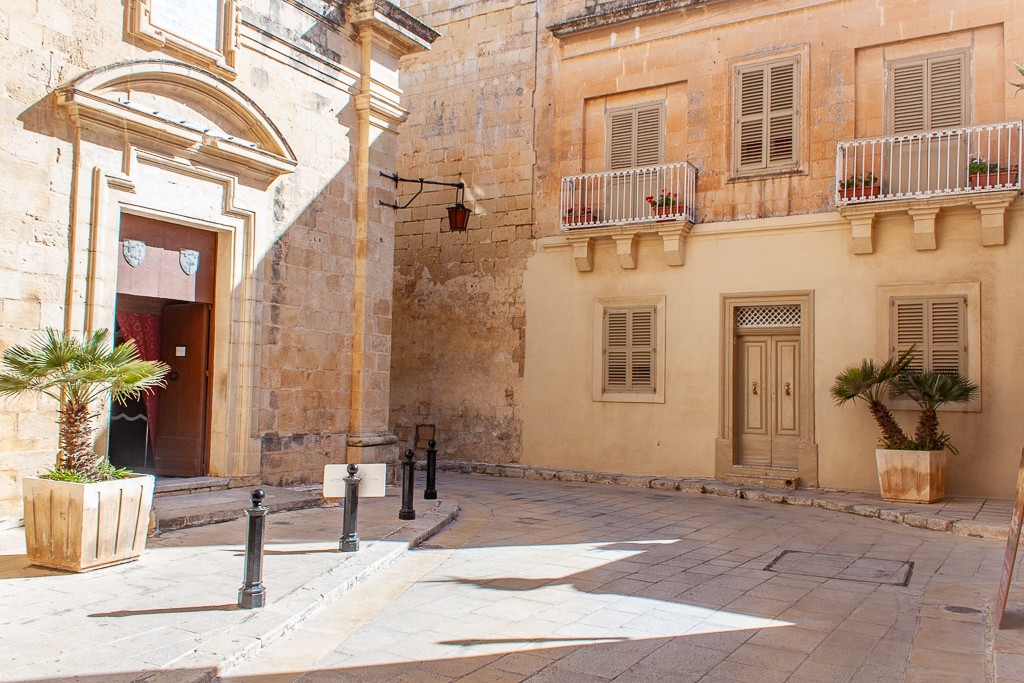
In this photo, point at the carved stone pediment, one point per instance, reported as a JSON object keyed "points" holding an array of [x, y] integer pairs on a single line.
{"points": [[185, 106]]}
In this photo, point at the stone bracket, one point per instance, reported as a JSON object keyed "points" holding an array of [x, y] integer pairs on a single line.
{"points": [[991, 205], [627, 241], [582, 253], [625, 248], [924, 226], [993, 214]]}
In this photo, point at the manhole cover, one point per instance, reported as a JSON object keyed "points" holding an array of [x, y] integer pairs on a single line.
{"points": [[863, 569], [959, 609]]}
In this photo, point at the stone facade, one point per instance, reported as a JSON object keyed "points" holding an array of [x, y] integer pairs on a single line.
{"points": [[784, 236], [458, 356], [270, 134]]}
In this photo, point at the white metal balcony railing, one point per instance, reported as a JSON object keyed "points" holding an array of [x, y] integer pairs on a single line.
{"points": [[937, 163], [633, 195]]}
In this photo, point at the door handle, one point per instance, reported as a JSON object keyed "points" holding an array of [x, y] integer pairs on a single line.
{"points": [[172, 375], [786, 388], [753, 388]]}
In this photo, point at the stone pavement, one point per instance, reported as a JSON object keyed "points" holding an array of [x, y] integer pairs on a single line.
{"points": [[172, 615], [568, 581]]}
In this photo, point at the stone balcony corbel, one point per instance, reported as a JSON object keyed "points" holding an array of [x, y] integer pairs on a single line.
{"points": [[627, 239], [993, 216]]}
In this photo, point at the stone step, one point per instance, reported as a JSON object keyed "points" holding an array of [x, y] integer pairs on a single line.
{"points": [[211, 507], [180, 486]]}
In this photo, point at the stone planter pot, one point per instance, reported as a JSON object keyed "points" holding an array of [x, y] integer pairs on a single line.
{"points": [[911, 476], [77, 527]]}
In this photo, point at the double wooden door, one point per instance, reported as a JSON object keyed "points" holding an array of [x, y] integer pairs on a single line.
{"points": [[768, 398]]}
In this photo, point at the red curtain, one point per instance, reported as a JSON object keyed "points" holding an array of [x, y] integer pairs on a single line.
{"points": [[144, 328]]}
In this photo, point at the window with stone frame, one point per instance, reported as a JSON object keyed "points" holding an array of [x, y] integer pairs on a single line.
{"points": [[935, 327], [629, 350], [766, 135], [927, 93]]}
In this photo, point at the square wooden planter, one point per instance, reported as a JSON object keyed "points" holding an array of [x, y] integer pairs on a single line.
{"points": [[77, 527], [911, 476]]}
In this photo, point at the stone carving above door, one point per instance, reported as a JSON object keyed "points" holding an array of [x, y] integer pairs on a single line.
{"points": [[188, 259], [134, 252]]}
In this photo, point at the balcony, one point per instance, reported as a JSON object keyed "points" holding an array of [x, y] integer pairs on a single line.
{"points": [[620, 198], [922, 172]]}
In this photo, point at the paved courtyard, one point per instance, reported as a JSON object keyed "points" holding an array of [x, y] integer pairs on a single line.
{"points": [[556, 581]]}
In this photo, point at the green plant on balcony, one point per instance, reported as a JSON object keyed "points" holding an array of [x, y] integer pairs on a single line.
{"points": [[979, 164], [869, 179]]}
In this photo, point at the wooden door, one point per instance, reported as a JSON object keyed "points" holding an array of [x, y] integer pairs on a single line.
{"points": [[767, 398], [182, 427]]}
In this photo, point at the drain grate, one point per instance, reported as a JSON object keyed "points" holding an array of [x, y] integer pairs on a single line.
{"points": [[863, 569]]}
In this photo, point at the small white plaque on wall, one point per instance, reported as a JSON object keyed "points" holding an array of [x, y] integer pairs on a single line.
{"points": [[203, 31], [371, 486], [197, 21]]}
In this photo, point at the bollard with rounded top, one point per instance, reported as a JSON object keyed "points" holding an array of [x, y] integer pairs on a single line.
{"points": [[253, 594], [430, 492], [407, 511], [349, 542]]}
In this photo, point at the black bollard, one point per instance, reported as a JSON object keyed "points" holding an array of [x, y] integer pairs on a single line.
{"points": [[407, 511], [349, 542], [253, 593], [430, 493]]}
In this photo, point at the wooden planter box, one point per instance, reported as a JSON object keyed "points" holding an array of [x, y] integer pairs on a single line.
{"points": [[993, 178], [860, 191], [77, 527], [911, 476]]}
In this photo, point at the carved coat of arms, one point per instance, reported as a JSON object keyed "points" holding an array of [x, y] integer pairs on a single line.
{"points": [[188, 259], [134, 252]]}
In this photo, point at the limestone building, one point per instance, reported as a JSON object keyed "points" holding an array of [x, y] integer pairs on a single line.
{"points": [[690, 215], [204, 176]]}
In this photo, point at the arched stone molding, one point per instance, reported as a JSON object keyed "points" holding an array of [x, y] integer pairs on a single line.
{"points": [[146, 163], [195, 113]]}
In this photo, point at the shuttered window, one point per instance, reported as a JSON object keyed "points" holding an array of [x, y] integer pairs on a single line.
{"points": [[629, 350], [935, 327], [928, 93], [767, 98], [635, 137]]}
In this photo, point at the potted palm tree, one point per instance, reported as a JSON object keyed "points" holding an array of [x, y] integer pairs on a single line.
{"points": [[911, 468], [84, 513]]}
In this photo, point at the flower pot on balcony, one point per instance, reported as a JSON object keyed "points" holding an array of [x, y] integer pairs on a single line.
{"points": [[668, 210], [77, 527], [911, 476], [578, 217], [992, 178], [860, 191]]}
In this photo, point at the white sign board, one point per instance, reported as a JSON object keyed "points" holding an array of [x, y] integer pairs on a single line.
{"points": [[197, 21], [371, 486]]}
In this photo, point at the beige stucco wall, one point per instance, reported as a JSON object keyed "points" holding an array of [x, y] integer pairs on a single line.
{"points": [[288, 286], [565, 428]]}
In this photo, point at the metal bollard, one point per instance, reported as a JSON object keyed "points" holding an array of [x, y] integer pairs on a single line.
{"points": [[349, 542], [430, 493], [407, 511], [253, 593]]}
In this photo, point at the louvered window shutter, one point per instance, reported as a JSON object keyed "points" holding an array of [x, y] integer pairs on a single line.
{"points": [[629, 350], [929, 94], [936, 328], [635, 137], [946, 92], [766, 116]]}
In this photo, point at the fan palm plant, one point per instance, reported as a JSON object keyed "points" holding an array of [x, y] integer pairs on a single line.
{"points": [[869, 382], [930, 390], [76, 372]]}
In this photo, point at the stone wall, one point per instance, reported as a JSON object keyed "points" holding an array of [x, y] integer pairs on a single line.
{"points": [[459, 309]]}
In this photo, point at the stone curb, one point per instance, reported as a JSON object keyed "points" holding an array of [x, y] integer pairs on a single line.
{"points": [[803, 497], [262, 627]]}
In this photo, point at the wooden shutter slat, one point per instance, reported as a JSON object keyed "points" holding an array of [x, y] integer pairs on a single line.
{"points": [[629, 349], [946, 323], [621, 149], [946, 92], [767, 116], [909, 329], [649, 129], [908, 98]]}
